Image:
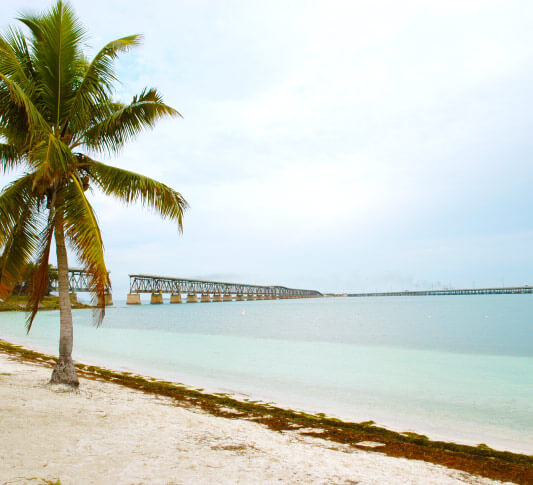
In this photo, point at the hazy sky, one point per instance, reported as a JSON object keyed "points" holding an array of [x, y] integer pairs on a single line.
{"points": [[338, 146]]}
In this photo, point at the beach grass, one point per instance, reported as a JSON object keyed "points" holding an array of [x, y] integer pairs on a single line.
{"points": [[479, 460]]}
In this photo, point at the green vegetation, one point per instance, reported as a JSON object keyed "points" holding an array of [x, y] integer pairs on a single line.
{"points": [[481, 460], [19, 303], [57, 111], [24, 284]]}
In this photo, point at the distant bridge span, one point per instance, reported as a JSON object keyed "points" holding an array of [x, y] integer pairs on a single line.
{"points": [[510, 290], [208, 290]]}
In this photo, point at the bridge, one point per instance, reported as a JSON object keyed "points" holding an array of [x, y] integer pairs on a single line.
{"points": [[216, 291], [511, 290], [78, 280]]}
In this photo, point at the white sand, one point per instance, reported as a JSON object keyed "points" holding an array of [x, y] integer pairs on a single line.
{"points": [[106, 433]]}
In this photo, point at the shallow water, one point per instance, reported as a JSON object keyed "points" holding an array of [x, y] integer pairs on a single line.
{"points": [[452, 367]]}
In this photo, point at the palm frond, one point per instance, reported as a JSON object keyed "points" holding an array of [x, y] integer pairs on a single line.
{"points": [[56, 49], [130, 187], [97, 83], [14, 200], [19, 45], [20, 98], [13, 59], [32, 21], [40, 273], [20, 244], [128, 121], [83, 233], [9, 157]]}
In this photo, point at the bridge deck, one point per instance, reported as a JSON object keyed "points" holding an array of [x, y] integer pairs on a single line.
{"points": [[464, 291]]}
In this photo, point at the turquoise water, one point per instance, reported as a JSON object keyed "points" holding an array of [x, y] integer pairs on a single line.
{"points": [[451, 367]]}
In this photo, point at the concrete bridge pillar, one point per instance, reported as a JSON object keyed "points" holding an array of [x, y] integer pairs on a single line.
{"points": [[228, 297], [192, 298], [250, 296], [260, 296], [205, 298], [239, 298], [156, 298], [74, 297], [133, 299], [175, 298], [217, 297], [269, 297]]}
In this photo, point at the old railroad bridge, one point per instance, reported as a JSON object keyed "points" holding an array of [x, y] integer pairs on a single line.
{"points": [[196, 290], [207, 290]]}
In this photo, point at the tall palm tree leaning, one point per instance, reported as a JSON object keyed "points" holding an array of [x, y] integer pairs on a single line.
{"points": [[56, 113]]}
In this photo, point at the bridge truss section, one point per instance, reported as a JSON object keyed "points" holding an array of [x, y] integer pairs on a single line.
{"points": [[78, 280], [163, 284]]}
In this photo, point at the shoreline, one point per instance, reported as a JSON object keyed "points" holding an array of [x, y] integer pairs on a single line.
{"points": [[436, 427], [435, 430], [480, 460]]}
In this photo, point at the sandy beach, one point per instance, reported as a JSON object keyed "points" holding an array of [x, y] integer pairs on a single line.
{"points": [[107, 433]]}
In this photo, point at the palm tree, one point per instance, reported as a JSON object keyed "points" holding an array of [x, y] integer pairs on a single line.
{"points": [[57, 112]]}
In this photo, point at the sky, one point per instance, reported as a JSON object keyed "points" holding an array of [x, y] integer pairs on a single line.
{"points": [[329, 145]]}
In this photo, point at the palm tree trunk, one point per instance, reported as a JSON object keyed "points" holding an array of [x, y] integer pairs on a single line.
{"points": [[64, 371]]}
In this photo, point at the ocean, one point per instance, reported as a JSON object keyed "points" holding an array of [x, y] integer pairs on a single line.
{"points": [[456, 368]]}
